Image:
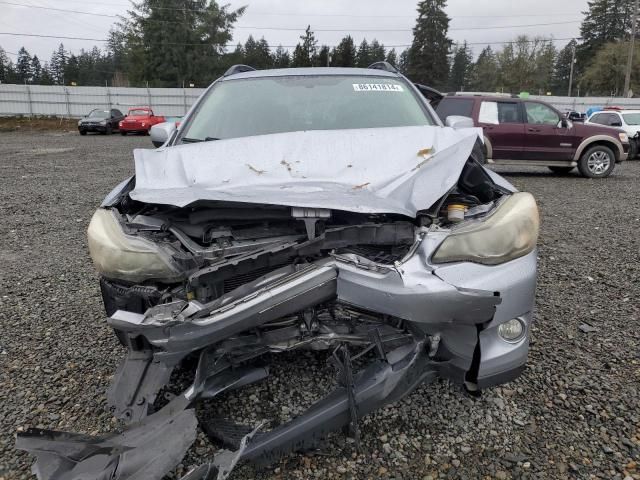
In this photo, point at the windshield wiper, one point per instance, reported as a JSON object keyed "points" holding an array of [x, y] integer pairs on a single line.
{"points": [[196, 140]]}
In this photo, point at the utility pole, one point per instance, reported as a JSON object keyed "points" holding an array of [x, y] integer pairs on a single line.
{"points": [[573, 62], [634, 26]]}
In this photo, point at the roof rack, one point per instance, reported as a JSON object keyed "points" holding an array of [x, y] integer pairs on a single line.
{"points": [[386, 66], [238, 69], [482, 94]]}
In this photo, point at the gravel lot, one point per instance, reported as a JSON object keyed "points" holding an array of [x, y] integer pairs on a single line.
{"points": [[575, 412]]}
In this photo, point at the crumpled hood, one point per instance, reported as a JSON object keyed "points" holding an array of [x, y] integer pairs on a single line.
{"points": [[383, 170]]}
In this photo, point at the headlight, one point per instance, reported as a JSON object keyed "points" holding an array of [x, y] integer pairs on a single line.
{"points": [[125, 257], [512, 331], [103, 122], [624, 138], [79, 122], [509, 233], [144, 124]]}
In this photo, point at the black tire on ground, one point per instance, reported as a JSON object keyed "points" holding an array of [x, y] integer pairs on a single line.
{"points": [[123, 133], [597, 162], [108, 130], [563, 170], [83, 132]]}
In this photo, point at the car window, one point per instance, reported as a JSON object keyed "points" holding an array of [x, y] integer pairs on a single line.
{"points": [[266, 105], [99, 113], [540, 114], [599, 118], [631, 118], [139, 113], [455, 106], [614, 120], [496, 113], [116, 113]]}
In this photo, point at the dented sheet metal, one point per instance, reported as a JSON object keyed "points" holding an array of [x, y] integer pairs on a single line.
{"points": [[378, 170]]}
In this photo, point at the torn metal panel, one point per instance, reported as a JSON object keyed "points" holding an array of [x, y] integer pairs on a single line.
{"points": [[147, 450], [137, 381], [334, 169]]}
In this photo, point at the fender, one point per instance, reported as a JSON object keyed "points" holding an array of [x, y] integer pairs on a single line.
{"points": [[600, 138]]}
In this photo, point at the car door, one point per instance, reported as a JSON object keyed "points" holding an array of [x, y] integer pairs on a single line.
{"points": [[546, 136], [503, 125]]}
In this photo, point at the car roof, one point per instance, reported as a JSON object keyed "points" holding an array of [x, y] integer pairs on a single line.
{"points": [[311, 71], [493, 98]]}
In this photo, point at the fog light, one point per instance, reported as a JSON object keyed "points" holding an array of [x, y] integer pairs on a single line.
{"points": [[512, 331]]}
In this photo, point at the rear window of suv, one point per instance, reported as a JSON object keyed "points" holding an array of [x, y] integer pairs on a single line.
{"points": [[455, 106]]}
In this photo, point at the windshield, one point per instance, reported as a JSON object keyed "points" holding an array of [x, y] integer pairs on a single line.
{"points": [[260, 106], [99, 114], [632, 118], [139, 113]]}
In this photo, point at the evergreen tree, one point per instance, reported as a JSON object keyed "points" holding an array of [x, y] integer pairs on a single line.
{"points": [[344, 55], [392, 57], [403, 61], [562, 69], [57, 64], [485, 72], [168, 47], [377, 52], [606, 21], [461, 68], [257, 53], [545, 59], [5, 67], [36, 69], [45, 76], [427, 60], [281, 58], [363, 57], [24, 71], [304, 53], [322, 58]]}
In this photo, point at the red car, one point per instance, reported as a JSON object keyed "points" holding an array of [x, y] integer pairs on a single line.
{"points": [[140, 120]]}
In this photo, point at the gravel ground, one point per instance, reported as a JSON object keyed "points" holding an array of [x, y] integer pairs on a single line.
{"points": [[574, 413]]}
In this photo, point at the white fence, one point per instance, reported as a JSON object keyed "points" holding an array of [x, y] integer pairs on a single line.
{"points": [[78, 101], [174, 102]]}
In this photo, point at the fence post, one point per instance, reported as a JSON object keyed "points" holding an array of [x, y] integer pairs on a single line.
{"points": [[184, 98], [66, 97], [29, 100], [108, 97], [149, 96]]}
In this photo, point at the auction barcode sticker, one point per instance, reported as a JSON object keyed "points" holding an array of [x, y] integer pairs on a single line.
{"points": [[377, 87]]}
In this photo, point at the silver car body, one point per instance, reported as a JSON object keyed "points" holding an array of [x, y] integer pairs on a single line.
{"points": [[424, 318]]}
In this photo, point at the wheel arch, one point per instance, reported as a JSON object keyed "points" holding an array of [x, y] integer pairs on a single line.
{"points": [[603, 140]]}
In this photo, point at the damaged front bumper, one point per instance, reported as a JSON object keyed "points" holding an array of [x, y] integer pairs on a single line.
{"points": [[419, 321]]}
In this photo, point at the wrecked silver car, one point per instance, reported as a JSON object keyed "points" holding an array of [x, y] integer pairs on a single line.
{"points": [[325, 209]]}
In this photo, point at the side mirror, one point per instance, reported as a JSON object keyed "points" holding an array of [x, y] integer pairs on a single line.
{"points": [[564, 123], [458, 121], [616, 124], [162, 132]]}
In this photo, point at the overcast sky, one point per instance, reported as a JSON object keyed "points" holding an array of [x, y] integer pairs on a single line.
{"points": [[477, 21]]}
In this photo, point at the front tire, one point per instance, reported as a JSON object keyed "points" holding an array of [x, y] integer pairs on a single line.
{"points": [[123, 133], [83, 132], [108, 130], [561, 170], [597, 162]]}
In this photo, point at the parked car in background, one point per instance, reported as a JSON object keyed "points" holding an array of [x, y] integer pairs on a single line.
{"points": [[521, 131], [101, 121], [628, 120], [139, 120]]}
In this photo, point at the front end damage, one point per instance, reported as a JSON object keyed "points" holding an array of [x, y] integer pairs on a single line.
{"points": [[228, 282]]}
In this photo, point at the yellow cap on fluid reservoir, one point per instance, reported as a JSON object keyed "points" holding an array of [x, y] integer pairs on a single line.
{"points": [[455, 212]]}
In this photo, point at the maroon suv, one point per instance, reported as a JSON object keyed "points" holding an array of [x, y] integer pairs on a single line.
{"points": [[522, 131]]}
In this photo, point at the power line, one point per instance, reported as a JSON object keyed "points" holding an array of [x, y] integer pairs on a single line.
{"points": [[292, 14], [273, 46], [298, 29], [347, 15]]}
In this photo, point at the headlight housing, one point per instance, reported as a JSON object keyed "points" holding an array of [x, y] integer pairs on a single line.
{"points": [[103, 122], [624, 138], [509, 233], [120, 256]]}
